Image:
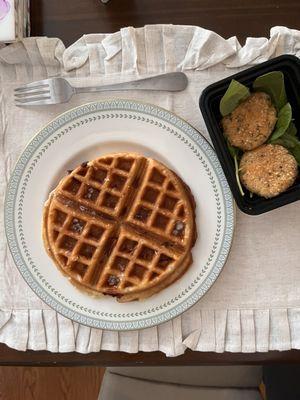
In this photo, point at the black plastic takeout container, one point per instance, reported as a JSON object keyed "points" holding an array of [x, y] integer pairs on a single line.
{"points": [[209, 105]]}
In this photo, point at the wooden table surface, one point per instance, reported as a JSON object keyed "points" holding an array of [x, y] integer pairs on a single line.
{"points": [[9, 357], [68, 20]]}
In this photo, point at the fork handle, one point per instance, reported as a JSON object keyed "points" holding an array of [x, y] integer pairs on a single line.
{"points": [[172, 82]]}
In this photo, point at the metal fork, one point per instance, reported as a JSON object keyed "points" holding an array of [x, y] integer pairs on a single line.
{"points": [[59, 90]]}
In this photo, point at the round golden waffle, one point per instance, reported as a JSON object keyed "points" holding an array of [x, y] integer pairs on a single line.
{"points": [[122, 225]]}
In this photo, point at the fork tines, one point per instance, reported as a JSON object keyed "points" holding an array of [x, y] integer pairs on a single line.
{"points": [[33, 93]]}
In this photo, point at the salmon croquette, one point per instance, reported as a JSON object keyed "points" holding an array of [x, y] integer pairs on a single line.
{"points": [[251, 123], [268, 170]]}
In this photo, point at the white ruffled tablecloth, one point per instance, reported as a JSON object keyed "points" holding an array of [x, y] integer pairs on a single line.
{"points": [[255, 303]]}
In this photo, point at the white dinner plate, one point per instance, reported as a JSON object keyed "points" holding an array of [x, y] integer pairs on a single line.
{"points": [[88, 132]]}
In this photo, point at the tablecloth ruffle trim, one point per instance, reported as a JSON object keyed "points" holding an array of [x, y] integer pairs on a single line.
{"points": [[244, 331], [100, 54], [196, 49]]}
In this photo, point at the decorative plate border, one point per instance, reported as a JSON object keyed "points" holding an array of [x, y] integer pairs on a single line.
{"points": [[34, 163], [84, 112]]}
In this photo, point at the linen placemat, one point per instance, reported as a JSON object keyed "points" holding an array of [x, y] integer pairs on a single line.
{"points": [[255, 303]]}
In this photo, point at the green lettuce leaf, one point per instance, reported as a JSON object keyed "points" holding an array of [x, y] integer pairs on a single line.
{"points": [[296, 152], [234, 151], [292, 130], [234, 95], [290, 141], [272, 83], [283, 121], [235, 154]]}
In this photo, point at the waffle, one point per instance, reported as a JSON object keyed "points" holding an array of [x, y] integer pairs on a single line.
{"points": [[121, 225]]}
